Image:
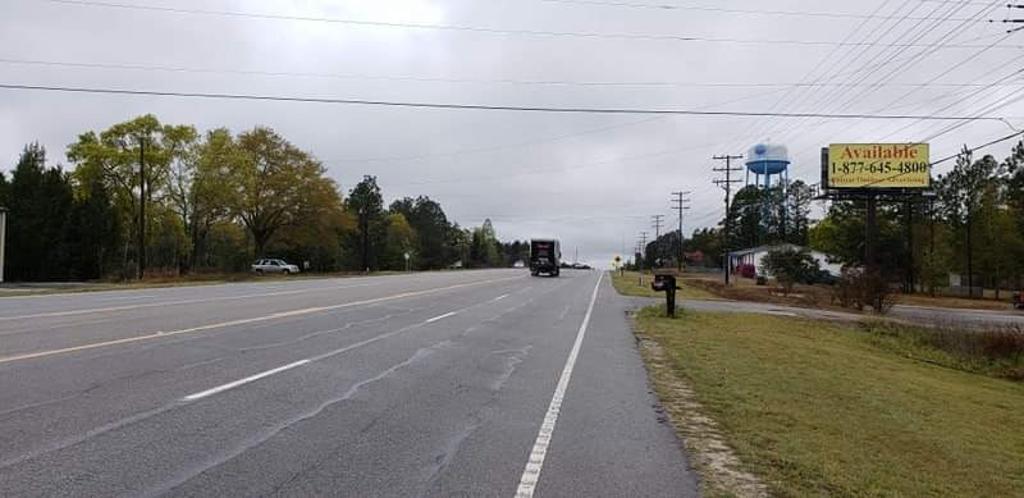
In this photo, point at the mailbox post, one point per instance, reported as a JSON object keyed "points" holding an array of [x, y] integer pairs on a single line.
{"points": [[666, 282]]}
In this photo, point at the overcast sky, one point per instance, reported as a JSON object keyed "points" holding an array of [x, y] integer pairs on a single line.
{"points": [[593, 180]]}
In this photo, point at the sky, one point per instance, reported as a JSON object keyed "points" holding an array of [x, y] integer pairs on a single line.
{"points": [[593, 180]]}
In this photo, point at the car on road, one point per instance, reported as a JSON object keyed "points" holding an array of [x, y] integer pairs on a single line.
{"points": [[264, 266]]}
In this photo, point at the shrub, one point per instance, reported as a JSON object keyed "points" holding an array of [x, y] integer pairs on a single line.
{"points": [[857, 289], [790, 267]]}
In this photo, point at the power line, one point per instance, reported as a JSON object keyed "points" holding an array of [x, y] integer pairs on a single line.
{"points": [[483, 107], [703, 8], [437, 79], [914, 33], [449, 27], [829, 71]]}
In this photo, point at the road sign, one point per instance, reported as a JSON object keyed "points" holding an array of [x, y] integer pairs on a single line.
{"points": [[876, 166], [407, 256]]}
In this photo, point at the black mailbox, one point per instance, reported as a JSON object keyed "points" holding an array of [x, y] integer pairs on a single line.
{"points": [[663, 283], [666, 282]]}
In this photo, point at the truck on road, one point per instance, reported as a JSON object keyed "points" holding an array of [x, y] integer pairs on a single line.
{"points": [[545, 257]]}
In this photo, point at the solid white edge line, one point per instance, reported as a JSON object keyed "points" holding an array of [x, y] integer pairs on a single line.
{"points": [[240, 382], [531, 474], [440, 317]]}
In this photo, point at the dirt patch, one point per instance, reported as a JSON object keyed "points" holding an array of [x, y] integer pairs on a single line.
{"points": [[719, 467]]}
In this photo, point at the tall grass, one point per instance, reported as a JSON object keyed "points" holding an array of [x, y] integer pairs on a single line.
{"points": [[997, 351]]}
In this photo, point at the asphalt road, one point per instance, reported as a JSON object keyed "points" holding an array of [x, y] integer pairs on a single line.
{"points": [[484, 383]]}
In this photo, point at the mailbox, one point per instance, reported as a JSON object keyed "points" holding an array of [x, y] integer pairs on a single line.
{"points": [[663, 283], [666, 282]]}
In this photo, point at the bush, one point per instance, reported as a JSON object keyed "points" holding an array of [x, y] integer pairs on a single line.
{"points": [[790, 267], [858, 289]]}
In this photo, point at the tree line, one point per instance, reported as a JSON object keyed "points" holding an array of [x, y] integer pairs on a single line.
{"points": [[973, 226], [147, 198]]}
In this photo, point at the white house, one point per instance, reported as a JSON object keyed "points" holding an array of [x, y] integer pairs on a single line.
{"points": [[755, 255]]}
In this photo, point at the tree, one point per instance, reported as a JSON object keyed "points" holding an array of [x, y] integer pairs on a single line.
{"points": [[799, 197], [961, 192], [116, 155], [367, 205], [94, 232], [432, 228], [275, 185], [790, 267], [39, 200], [399, 240]]}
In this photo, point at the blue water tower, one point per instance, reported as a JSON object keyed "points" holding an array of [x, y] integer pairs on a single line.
{"points": [[767, 161]]}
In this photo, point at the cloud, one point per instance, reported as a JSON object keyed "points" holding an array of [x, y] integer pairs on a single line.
{"points": [[593, 180]]}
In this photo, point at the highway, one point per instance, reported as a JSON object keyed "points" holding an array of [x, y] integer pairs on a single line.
{"points": [[475, 383]]}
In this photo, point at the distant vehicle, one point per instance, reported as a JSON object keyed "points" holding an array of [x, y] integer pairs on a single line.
{"points": [[580, 266], [519, 264], [545, 257], [263, 266]]}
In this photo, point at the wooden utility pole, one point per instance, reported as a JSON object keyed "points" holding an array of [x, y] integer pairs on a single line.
{"points": [[681, 201], [726, 185], [141, 249], [656, 223]]}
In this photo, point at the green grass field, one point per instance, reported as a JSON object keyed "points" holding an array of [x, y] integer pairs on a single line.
{"points": [[822, 409]]}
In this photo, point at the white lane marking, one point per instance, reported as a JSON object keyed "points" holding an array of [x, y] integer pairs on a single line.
{"points": [[499, 298], [127, 298], [240, 382], [319, 357], [440, 317], [154, 335], [531, 474], [174, 303]]}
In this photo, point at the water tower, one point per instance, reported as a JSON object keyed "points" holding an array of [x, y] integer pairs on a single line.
{"points": [[766, 161]]}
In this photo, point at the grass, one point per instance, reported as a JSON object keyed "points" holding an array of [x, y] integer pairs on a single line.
{"points": [[629, 285], [996, 352], [987, 303], [819, 408]]}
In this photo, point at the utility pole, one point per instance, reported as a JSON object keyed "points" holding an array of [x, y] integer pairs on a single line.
{"points": [[3, 240], [726, 185], [643, 255], [142, 207], [681, 201], [656, 223]]}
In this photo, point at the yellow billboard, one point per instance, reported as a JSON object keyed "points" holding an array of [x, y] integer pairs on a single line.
{"points": [[878, 166]]}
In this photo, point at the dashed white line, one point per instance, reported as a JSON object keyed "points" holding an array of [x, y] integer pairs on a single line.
{"points": [[531, 474], [499, 298], [240, 382], [440, 317]]}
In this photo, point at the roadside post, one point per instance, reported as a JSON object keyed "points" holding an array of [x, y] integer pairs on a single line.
{"points": [[665, 281]]}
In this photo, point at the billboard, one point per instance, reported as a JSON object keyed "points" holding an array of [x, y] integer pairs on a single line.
{"points": [[876, 166]]}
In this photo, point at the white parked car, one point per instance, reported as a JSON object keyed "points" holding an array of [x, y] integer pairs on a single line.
{"points": [[273, 266]]}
